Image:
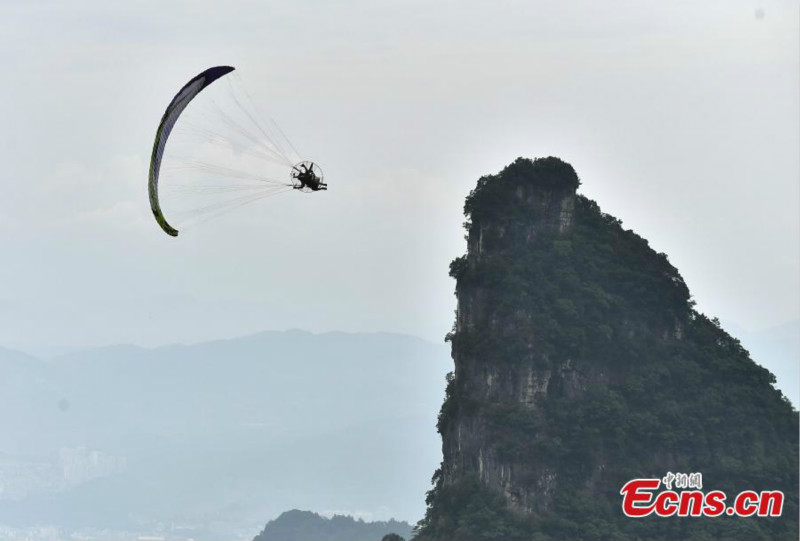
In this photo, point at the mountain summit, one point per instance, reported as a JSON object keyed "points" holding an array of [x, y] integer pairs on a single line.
{"points": [[581, 364]]}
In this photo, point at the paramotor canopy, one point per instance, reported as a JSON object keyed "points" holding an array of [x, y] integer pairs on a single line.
{"points": [[174, 110]]}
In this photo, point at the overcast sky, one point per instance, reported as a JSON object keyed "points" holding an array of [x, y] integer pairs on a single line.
{"points": [[681, 119]]}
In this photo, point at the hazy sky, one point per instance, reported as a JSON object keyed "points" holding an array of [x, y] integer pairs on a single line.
{"points": [[680, 117]]}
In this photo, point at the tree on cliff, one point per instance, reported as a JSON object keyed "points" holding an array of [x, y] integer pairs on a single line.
{"points": [[581, 363]]}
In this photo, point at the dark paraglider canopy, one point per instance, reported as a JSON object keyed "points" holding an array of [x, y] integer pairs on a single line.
{"points": [[174, 110]]}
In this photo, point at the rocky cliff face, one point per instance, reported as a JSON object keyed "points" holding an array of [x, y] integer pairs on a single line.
{"points": [[580, 364], [468, 446]]}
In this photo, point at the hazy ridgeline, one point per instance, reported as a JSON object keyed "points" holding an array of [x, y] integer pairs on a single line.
{"points": [[217, 438]]}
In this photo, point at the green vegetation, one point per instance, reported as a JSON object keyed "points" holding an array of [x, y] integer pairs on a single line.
{"points": [[664, 389], [495, 195], [470, 511], [296, 525]]}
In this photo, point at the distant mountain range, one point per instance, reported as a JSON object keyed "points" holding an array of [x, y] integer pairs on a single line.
{"points": [[213, 439]]}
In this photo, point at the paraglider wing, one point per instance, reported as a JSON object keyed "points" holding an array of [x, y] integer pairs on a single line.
{"points": [[174, 110]]}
